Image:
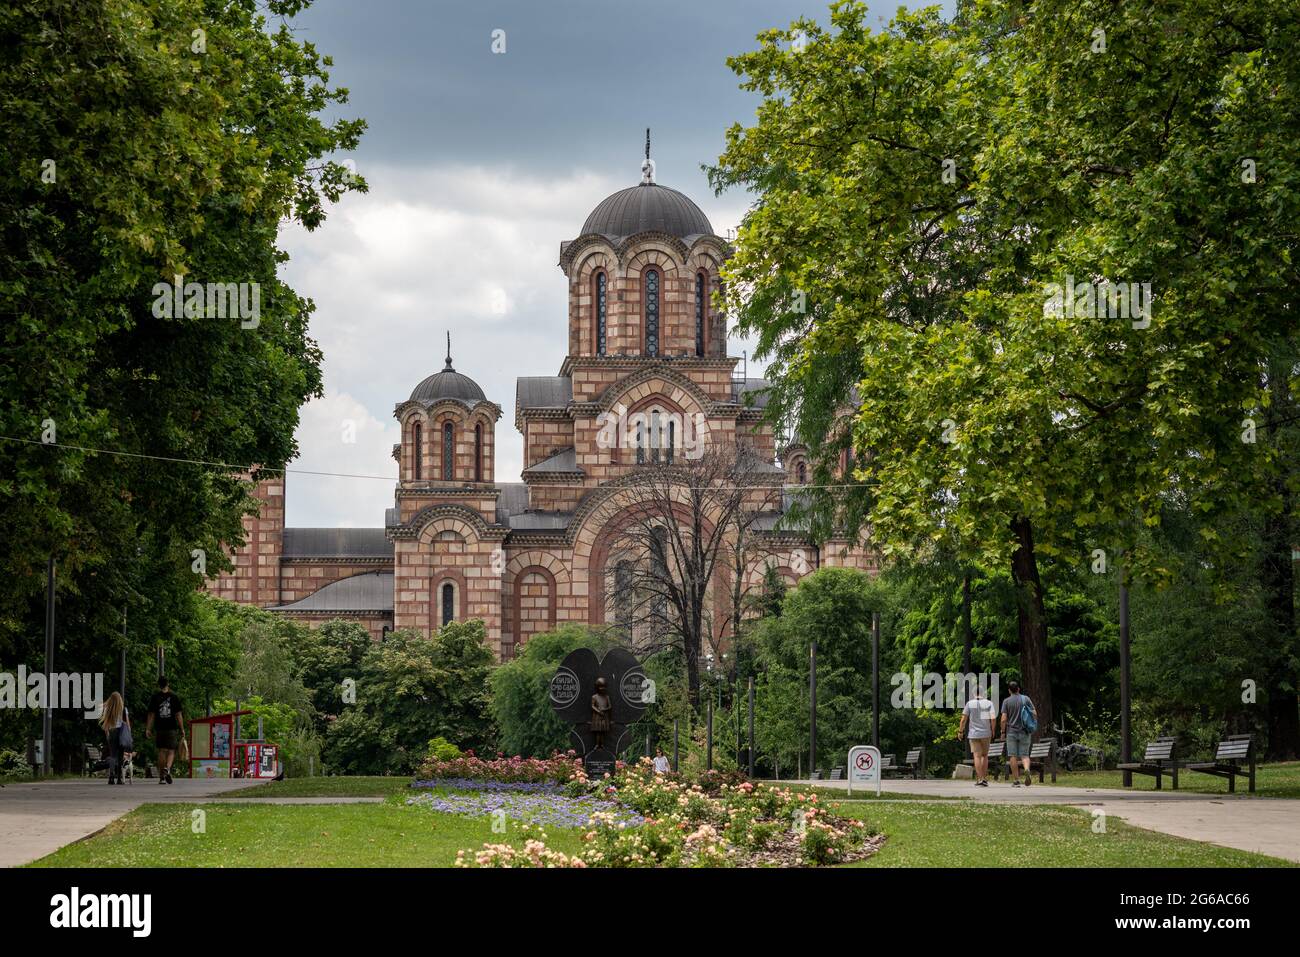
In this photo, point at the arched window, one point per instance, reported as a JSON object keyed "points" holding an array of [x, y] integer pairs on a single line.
{"points": [[448, 603], [656, 436], [803, 473], [448, 452], [672, 441], [652, 312], [601, 310], [699, 313], [478, 453], [417, 449]]}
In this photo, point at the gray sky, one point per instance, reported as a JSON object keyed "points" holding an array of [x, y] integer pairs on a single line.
{"points": [[479, 164]]}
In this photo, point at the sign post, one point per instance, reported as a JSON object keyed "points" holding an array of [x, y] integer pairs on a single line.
{"points": [[864, 766]]}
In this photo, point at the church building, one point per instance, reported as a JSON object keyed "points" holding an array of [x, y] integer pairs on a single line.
{"points": [[646, 344]]}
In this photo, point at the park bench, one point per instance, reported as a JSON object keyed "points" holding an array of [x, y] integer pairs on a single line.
{"points": [[1232, 752], [913, 764], [1043, 753], [1159, 759], [94, 761], [887, 764], [997, 750], [814, 776], [837, 774]]}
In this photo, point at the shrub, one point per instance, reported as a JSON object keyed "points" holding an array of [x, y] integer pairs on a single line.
{"points": [[13, 766], [440, 749]]}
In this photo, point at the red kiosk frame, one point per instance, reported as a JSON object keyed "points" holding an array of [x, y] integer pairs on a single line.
{"points": [[215, 751]]}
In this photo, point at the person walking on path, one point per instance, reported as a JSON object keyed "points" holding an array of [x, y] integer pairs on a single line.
{"points": [[117, 729], [165, 714], [1019, 721], [977, 720]]}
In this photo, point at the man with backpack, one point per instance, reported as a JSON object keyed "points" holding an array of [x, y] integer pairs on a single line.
{"points": [[1019, 722]]}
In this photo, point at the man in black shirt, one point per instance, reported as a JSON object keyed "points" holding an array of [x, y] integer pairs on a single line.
{"points": [[165, 713]]}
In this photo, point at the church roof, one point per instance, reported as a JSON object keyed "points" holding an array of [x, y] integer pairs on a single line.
{"points": [[646, 207], [543, 392], [368, 592], [565, 460], [336, 543], [448, 384], [753, 392], [513, 498]]}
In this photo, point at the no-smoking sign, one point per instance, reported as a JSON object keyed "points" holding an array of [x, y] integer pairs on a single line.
{"points": [[864, 766]]}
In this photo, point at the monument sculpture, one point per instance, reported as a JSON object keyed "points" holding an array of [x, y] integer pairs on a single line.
{"points": [[600, 698]]}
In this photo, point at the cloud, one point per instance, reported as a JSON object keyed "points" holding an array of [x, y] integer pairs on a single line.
{"points": [[470, 250]]}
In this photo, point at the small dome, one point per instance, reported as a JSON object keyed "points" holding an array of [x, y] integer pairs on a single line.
{"points": [[647, 206], [448, 384]]}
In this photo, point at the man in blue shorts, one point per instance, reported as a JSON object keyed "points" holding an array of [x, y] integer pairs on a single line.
{"points": [[1015, 732]]}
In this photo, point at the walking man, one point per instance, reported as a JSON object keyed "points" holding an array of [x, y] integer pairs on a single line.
{"points": [[1019, 720], [165, 714], [977, 720]]}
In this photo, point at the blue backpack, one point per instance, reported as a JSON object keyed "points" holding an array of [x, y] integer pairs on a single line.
{"points": [[1028, 720]]}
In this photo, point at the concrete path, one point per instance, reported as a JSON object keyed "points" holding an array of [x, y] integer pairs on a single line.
{"points": [[39, 818], [1264, 825]]}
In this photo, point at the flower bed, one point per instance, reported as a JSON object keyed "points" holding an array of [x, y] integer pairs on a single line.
{"points": [[479, 784], [546, 808], [559, 767], [708, 823]]}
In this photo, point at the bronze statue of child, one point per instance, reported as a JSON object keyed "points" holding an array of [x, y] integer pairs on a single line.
{"points": [[601, 708]]}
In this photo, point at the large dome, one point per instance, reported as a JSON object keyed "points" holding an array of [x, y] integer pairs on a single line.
{"points": [[647, 206], [448, 384]]}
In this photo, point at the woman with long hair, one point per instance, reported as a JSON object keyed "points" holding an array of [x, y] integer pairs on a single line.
{"points": [[114, 719]]}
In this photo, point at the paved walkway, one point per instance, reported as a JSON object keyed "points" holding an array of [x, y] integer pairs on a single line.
{"points": [[39, 818], [1264, 825]]}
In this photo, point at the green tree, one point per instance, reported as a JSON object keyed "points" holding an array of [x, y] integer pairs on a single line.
{"points": [[411, 689], [324, 658], [145, 140], [922, 188], [521, 704]]}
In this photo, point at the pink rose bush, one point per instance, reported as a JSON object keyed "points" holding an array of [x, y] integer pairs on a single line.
{"points": [[469, 766]]}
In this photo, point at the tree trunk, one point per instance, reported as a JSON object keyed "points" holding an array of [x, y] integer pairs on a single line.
{"points": [[1278, 579], [1031, 624], [1280, 679], [693, 666], [967, 634]]}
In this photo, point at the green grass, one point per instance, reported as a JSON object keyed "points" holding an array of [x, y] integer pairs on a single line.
{"points": [[268, 835], [954, 833], [326, 787], [975, 834], [865, 794], [1271, 781]]}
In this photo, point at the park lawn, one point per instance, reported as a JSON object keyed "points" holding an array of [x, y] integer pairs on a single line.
{"points": [[302, 835], [1280, 780], [975, 834], [863, 794], [335, 786]]}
